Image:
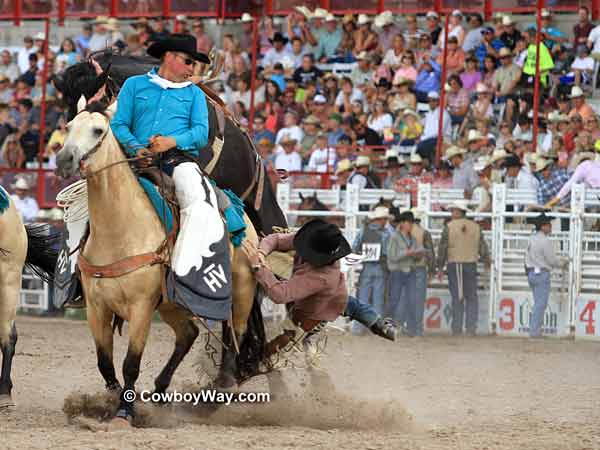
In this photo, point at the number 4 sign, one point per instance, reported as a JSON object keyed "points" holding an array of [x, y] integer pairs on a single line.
{"points": [[587, 317]]}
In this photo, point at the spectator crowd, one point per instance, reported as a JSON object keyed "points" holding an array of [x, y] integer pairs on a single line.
{"points": [[358, 96]]}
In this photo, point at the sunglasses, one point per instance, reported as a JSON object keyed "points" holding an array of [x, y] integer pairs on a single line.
{"points": [[187, 61]]}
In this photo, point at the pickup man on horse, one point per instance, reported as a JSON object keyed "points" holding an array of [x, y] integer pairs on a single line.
{"points": [[163, 113], [316, 291]]}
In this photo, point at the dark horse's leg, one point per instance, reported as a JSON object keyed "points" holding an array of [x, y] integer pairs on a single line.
{"points": [[227, 378], [8, 351], [186, 333]]}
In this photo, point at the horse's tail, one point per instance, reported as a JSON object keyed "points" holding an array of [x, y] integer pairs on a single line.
{"points": [[42, 250], [252, 349]]}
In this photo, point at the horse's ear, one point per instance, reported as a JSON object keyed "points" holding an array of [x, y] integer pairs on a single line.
{"points": [[59, 83], [301, 196], [111, 110], [81, 103]]}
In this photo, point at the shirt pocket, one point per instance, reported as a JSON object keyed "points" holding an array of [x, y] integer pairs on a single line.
{"points": [[142, 103], [178, 106]]}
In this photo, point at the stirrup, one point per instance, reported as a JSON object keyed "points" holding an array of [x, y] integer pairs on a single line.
{"points": [[75, 303]]}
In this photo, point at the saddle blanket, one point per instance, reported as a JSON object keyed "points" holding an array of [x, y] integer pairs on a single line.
{"points": [[4, 200], [234, 213]]}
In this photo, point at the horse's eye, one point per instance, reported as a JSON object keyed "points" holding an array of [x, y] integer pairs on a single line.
{"points": [[98, 132]]}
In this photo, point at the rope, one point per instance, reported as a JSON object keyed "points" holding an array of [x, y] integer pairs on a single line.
{"points": [[73, 200]]}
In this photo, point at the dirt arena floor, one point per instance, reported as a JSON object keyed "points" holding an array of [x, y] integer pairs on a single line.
{"points": [[430, 393]]}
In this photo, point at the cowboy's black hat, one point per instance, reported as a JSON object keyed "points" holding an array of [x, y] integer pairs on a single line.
{"points": [[278, 37], [183, 43], [512, 161], [406, 216], [320, 243], [540, 220]]}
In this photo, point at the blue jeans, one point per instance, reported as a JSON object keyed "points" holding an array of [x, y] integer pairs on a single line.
{"points": [[371, 289], [540, 285], [421, 296], [469, 303], [371, 286], [361, 312], [403, 299]]}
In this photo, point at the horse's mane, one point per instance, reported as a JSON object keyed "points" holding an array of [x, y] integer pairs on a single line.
{"points": [[81, 79]]}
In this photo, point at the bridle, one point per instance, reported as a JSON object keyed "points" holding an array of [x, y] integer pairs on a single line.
{"points": [[94, 150]]}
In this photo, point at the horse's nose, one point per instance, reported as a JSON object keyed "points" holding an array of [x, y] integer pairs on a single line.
{"points": [[64, 162]]}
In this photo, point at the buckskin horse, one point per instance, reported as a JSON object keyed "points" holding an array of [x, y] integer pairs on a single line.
{"points": [[19, 246], [124, 225], [238, 166]]}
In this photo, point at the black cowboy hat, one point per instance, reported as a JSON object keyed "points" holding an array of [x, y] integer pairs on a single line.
{"points": [[406, 216], [320, 243], [540, 220], [183, 43], [512, 161], [278, 37]]}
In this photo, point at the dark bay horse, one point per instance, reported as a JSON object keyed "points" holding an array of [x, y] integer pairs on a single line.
{"points": [[239, 166]]}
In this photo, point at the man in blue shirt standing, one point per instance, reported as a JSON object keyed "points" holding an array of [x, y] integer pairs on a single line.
{"points": [[163, 113]]}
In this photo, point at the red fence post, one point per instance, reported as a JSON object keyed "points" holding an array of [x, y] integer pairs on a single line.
{"points": [[61, 12], [326, 4], [595, 9], [437, 6], [253, 75], [166, 8], [41, 182], [440, 139], [380, 6], [114, 8], [268, 8], [536, 86], [488, 8], [17, 12]]}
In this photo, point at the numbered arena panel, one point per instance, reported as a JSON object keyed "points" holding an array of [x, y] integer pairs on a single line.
{"points": [[513, 314], [437, 317], [587, 315]]}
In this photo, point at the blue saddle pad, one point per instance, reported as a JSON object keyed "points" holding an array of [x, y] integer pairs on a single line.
{"points": [[234, 215], [159, 203], [4, 200]]}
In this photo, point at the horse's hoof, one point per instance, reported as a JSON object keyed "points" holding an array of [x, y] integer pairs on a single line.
{"points": [[123, 415], [119, 422], [225, 383], [6, 401]]}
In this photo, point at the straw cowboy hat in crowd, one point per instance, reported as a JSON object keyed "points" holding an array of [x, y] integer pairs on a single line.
{"points": [[542, 164], [459, 204], [415, 158], [345, 165], [482, 163], [474, 135], [319, 13], [21, 184], [384, 19], [454, 151], [362, 161], [246, 18], [363, 19], [304, 11], [576, 92], [380, 212], [498, 155], [287, 139]]}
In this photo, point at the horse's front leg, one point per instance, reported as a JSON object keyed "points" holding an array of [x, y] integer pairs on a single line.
{"points": [[140, 317], [99, 321], [9, 297], [8, 342]]}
